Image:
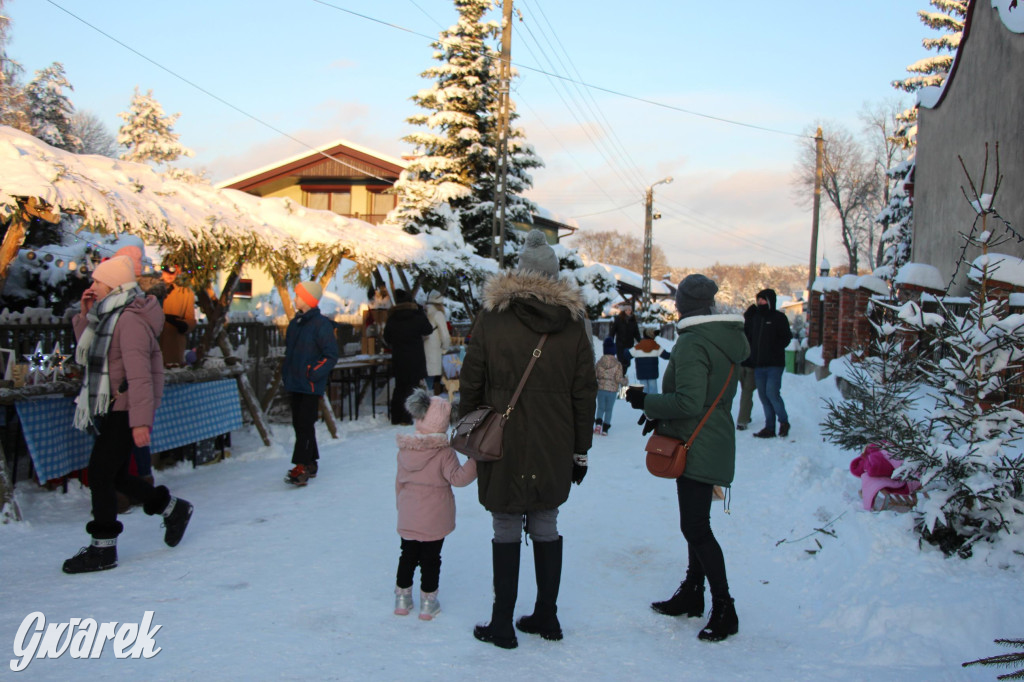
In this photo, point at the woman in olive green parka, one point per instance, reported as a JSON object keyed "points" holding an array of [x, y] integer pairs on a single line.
{"points": [[548, 434], [707, 347]]}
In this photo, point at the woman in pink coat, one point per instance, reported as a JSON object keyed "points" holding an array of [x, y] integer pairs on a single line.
{"points": [[427, 470]]}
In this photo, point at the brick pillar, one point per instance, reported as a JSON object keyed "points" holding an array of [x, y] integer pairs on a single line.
{"points": [[861, 324], [830, 326], [847, 319], [814, 320]]}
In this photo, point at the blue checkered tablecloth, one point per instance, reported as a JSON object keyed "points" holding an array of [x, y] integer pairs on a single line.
{"points": [[188, 413]]}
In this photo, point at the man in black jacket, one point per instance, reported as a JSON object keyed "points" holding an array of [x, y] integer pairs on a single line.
{"points": [[768, 334], [627, 333]]}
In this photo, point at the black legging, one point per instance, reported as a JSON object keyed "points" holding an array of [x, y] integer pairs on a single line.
{"points": [[705, 554], [305, 411], [426, 555], [108, 475]]}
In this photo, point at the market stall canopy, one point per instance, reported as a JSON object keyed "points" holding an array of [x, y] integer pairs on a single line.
{"points": [[202, 227]]}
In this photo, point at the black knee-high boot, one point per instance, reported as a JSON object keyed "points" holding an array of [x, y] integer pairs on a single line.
{"points": [[499, 632], [547, 559]]}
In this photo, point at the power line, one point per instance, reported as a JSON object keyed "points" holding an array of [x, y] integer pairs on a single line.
{"points": [[216, 97], [691, 112]]}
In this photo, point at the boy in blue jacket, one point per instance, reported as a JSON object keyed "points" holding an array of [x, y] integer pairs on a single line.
{"points": [[311, 351]]}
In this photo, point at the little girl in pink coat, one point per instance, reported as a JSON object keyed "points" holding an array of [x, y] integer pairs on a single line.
{"points": [[427, 469]]}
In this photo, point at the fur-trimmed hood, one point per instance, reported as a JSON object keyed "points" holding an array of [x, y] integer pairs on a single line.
{"points": [[542, 304], [416, 449]]}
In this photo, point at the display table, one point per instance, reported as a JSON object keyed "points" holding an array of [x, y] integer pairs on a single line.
{"points": [[351, 378], [188, 413]]}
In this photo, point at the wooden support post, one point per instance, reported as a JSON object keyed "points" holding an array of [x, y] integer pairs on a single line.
{"points": [[245, 388], [7, 492]]}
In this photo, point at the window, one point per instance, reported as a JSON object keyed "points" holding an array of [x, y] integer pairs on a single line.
{"points": [[244, 289], [327, 200]]}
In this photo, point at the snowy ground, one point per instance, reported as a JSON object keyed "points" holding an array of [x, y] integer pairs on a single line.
{"points": [[273, 582]]}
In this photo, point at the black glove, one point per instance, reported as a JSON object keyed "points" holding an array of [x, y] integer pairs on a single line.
{"points": [[635, 397], [648, 424], [177, 323], [579, 468]]}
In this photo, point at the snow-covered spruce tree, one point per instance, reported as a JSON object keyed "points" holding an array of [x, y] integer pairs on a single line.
{"points": [[148, 136], [597, 285], [12, 98], [932, 71], [970, 464], [880, 385], [898, 221], [455, 147], [898, 217], [50, 111]]}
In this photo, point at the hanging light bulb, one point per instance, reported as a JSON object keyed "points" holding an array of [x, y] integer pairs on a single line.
{"points": [[31, 255], [59, 263], [48, 258], [72, 266]]}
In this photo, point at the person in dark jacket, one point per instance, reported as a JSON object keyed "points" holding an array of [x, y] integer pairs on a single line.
{"points": [[746, 379], [404, 332], [626, 332], [548, 434], [768, 334], [311, 351], [708, 347], [121, 390]]}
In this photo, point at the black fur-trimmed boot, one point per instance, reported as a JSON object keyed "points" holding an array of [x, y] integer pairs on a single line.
{"points": [[723, 621], [176, 518], [101, 555], [499, 632], [547, 560], [688, 600]]}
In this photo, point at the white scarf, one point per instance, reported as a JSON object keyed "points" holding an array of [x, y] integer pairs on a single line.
{"points": [[91, 353]]}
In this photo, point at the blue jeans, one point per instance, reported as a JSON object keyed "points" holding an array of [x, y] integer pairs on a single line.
{"points": [[650, 385], [605, 405], [769, 388]]}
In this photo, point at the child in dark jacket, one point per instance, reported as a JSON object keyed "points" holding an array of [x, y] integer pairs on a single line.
{"points": [[647, 353], [311, 351], [610, 377], [427, 469]]}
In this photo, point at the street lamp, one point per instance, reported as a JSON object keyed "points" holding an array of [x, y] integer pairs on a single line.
{"points": [[645, 296]]}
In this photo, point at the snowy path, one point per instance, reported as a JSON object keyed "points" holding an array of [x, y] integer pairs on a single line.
{"points": [[272, 582]]}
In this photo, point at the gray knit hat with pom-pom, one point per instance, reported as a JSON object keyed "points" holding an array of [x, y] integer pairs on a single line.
{"points": [[537, 255]]}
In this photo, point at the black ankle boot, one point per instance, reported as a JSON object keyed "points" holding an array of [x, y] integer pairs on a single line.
{"points": [[688, 599], [723, 621], [101, 555], [499, 632], [605, 428], [547, 560]]}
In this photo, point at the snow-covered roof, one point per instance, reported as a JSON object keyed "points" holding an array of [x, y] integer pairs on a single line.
{"points": [[634, 279], [922, 275], [340, 142], [1000, 267], [114, 196]]}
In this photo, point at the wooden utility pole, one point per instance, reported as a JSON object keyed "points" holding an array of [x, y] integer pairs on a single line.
{"points": [[819, 148], [501, 173]]}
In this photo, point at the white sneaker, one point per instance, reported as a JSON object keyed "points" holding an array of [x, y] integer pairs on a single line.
{"points": [[403, 601], [429, 606]]}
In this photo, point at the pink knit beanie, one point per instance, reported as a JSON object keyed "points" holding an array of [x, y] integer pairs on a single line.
{"points": [[430, 414], [114, 272]]}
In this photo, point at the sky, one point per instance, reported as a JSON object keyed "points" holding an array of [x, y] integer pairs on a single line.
{"points": [[260, 81], [276, 583]]}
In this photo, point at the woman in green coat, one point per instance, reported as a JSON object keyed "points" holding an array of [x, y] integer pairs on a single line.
{"points": [[707, 347]]}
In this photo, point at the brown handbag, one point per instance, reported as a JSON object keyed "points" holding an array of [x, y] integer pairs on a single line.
{"points": [[666, 457], [478, 434]]}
